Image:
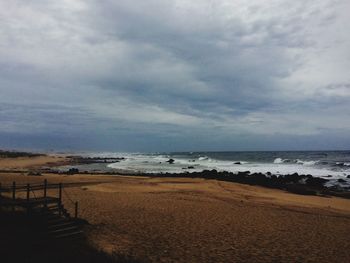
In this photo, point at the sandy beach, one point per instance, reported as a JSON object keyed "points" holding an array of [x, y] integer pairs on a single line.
{"points": [[174, 131], [198, 220]]}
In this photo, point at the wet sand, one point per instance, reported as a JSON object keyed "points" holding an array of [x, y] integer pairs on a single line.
{"points": [[198, 220]]}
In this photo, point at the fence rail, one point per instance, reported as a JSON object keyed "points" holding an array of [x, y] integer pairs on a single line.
{"points": [[23, 187], [31, 198]]}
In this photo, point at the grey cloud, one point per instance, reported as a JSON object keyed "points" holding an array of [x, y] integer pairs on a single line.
{"points": [[174, 69]]}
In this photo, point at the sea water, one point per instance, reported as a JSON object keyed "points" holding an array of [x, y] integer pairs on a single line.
{"points": [[334, 165]]}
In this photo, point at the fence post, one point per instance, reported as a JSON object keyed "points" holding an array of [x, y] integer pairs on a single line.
{"points": [[28, 192], [13, 190], [28, 196], [60, 198], [76, 210], [45, 188], [13, 195], [45, 193]]}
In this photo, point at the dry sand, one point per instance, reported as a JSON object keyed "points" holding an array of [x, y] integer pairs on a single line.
{"points": [[32, 162], [197, 220]]}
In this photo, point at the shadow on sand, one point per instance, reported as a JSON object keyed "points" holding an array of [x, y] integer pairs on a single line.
{"points": [[23, 239]]}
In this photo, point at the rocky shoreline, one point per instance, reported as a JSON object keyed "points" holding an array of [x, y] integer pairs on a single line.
{"points": [[16, 154], [294, 183], [89, 160]]}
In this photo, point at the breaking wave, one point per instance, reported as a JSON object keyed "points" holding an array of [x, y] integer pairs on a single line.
{"points": [[278, 160], [334, 166], [342, 164], [296, 161]]}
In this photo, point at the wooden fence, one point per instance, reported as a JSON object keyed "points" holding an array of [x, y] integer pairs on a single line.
{"points": [[36, 196]]}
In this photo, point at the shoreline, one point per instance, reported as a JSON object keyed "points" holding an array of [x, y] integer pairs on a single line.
{"points": [[36, 164]]}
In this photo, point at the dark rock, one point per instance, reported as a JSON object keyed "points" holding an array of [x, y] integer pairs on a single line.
{"points": [[300, 189], [316, 181], [90, 160], [210, 174], [72, 171], [34, 173], [14, 154], [295, 183], [237, 163], [348, 176], [190, 167], [341, 180], [244, 173], [268, 173], [170, 161], [292, 177]]}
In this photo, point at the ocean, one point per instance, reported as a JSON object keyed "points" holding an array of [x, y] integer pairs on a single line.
{"points": [[334, 165]]}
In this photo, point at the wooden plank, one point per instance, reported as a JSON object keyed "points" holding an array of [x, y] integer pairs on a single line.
{"points": [[34, 202], [23, 188]]}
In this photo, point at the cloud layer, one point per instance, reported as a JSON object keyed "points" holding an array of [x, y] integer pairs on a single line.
{"points": [[161, 75]]}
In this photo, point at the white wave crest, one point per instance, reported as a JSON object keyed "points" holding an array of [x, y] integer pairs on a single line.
{"points": [[278, 160], [297, 161], [306, 162]]}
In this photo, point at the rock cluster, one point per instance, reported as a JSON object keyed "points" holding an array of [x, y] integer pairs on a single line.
{"points": [[296, 183]]}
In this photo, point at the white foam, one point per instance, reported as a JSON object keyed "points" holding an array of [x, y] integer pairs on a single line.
{"points": [[278, 160], [306, 162], [158, 164], [240, 162], [297, 161]]}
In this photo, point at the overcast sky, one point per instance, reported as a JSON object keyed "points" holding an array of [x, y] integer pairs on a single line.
{"points": [[161, 75]]}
